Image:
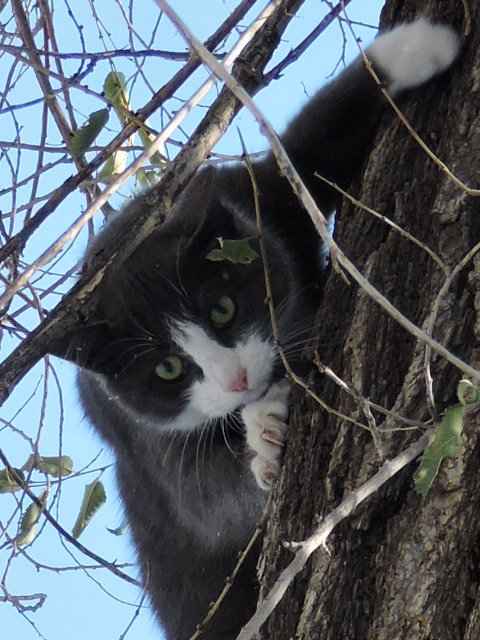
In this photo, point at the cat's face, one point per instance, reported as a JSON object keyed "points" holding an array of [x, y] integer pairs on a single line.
{"points": [[188, 339]]}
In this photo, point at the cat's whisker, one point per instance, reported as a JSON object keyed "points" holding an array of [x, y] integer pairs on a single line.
{"points": [[291, 297], [177, 266], [180, 469], [236, 423], [135, 321], [174, 436], [301, 337], [203, 432], [223, 426], [130, 362], [210, 429], [180, 291], [212, 438]]}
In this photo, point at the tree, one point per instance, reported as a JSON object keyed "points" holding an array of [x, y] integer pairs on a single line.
{"points": [[395, 560], [404, 565]]}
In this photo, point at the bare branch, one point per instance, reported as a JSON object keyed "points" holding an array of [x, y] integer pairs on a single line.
{"points": [[17, 243], [95, 56], [111, 566], [76, 307], [156, 145]]}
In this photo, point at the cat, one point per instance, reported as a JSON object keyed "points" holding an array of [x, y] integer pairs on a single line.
{"points": [[180, 373]]}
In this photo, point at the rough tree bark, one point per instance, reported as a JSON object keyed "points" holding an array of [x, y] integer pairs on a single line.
{"points": [[403, 567]]}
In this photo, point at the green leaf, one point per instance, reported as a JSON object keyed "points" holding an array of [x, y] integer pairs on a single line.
{"points": [[28, 525], [56, 466], [83, 137], [115, 91], [93, 499], [446, 438], [113, 165], [147, 138], [444, 444], [236, 251], [8, 483]]}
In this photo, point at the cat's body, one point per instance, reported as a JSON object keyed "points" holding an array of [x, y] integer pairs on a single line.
{"points": [[184, 341]]}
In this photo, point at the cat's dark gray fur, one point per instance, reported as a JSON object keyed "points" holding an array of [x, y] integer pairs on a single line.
{"points": [[191, 498]]}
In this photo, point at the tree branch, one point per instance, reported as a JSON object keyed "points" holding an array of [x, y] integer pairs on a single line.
{"points": [[111, 566], [17, 243], [75, 309], [288, 170]]}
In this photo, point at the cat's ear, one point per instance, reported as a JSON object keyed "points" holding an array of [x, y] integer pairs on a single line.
{"points": [[200, 191], [217, 222], [208, 217], [84, 346]]}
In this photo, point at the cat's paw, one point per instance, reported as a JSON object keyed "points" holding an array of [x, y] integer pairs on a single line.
{"points": [[266, 430], [413, 53]]}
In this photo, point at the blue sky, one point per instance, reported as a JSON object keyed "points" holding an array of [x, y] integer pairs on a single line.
{"points": [[94, 603]]}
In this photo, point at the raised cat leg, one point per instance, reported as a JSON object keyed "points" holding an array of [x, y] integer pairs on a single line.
{"points": [[266, 431], [411, 54], [333, 130]]}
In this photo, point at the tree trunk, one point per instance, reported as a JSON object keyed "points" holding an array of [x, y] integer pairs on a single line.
{"points": [[403, 566]]}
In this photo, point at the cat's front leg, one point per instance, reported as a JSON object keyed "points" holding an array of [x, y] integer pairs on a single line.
{"points": [[266, 430]]}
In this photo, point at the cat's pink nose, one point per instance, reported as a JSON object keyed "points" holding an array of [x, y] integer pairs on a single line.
{"points": [[240, 382]]}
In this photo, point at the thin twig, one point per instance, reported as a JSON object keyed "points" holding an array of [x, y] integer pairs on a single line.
{"points": [[445, 268], [17, 243], [303, 46], [37, 599], [95, 56], [461, 185], [303, 550], [355, 393], [26, 35], [287, 170], [156, 145], [111, 566], [429, 323], [271, 305], [230, 580]]}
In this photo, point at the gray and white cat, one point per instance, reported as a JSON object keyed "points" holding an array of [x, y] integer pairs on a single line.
{"points": [[180, 373]]}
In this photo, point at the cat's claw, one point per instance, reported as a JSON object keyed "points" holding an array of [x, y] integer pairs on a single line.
{"points": [[273, 436], [266, 430], [265, 472]]}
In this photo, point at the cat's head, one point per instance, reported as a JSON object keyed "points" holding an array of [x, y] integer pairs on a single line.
{"points": [[179, 337]]}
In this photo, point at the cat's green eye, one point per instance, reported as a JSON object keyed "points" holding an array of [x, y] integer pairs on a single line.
{"points": [[169, 369], [223, 311]]}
